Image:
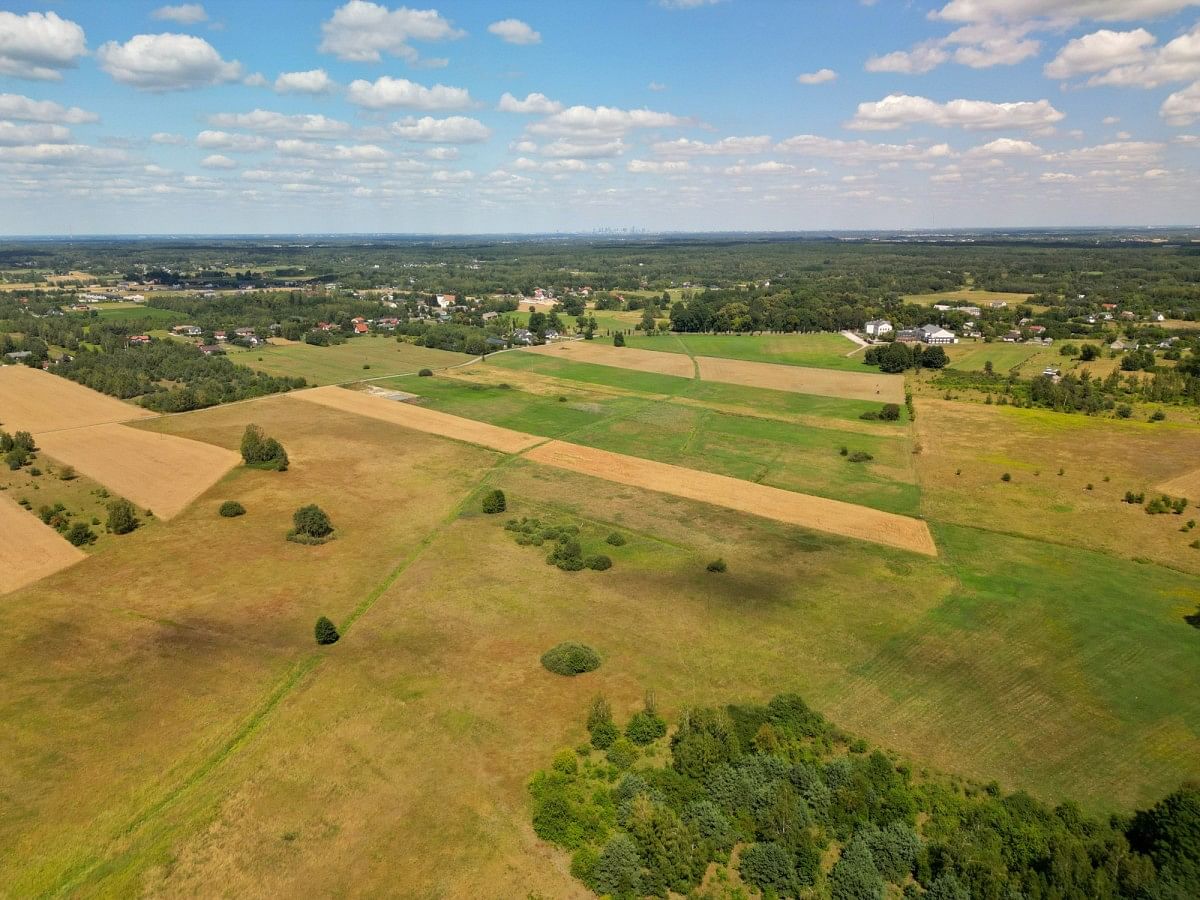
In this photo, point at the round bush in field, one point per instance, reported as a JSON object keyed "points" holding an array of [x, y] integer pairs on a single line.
{"points": [[599, 562], [717, 565], [494, 502], [325, 631], [312, 525], [425, 373], [231, 509], [571, 659]]}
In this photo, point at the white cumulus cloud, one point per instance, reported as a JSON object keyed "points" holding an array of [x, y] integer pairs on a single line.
{"points": [[1097, 51], [1006, 147], [1182, 107], [26, 109], [539, 104], [730, 146], [658, 167], [39, 45], [338, 152], [313, 81], [901, 110], [387, 92], [234, 143], [360, 31], [514, 31], [13, 134], [604, 120], [821, 76], [217, 161], [166, 62], [268, 122], [451, 130]]}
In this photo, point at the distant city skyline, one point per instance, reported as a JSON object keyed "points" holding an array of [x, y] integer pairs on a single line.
{"points": [[657, 115]]}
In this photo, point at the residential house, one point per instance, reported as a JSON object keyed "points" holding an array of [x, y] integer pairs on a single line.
{"points": [[211, 349], [220, 337], [19, 354], [139, 339], [361, 328], [488, 316], [445, 301], [877, 328], [522, 336], [1012, 337], [999, 304], [909, 335], [187, 330]]}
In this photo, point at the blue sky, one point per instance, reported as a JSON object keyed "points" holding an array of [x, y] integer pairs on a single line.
{"points": [[314, 115]]}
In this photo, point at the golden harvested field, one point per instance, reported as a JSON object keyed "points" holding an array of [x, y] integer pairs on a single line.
{"points": [[36, 401], [818, 513], [29, 550], [420, 419], [622, 357], [797, 379], [978, 298], [158, 472], [800, 380]]}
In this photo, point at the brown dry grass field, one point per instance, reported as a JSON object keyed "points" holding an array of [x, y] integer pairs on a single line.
{"points": [[155, 471], [965, 448], [364, 404], [818, 513], [29, 550], [1185, 485], [797, 379], [36, 401]]}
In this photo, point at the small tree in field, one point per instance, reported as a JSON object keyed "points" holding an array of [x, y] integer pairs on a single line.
{"points": [[311, 525], [494, 502], [618, 340], [325, 631], [121, 517], [263, 452]]}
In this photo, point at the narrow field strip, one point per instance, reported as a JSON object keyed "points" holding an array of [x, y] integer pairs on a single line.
{"points": [[159, 472], [491, 436], [29, 549], [805, 510], [1185, 485], [864, 385], [36, 401]]}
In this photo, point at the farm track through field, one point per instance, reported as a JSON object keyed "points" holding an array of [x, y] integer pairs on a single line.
{"points": [[307, 664]]}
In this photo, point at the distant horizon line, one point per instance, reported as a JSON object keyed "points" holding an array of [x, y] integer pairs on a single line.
{"points": [[605, 233]]}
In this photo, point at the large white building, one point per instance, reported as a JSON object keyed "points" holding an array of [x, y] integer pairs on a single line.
{"points": [[877, 328]]}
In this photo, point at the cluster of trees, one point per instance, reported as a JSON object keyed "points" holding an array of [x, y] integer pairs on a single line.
{"points": [[566, 551], [261, 451], [785, 788], [195, 380], [17, 448], [898, 357]]}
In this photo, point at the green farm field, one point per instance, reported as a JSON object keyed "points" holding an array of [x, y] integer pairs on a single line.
{"points": [[821, 350], [191, 734], [1027, 360], [774, 452], [362, 357]]}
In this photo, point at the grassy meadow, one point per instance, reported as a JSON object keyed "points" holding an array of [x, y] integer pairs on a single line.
{"points": [[236, 752], [361, 357], [821, 351]]}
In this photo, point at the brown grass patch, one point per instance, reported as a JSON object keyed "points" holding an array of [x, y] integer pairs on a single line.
{"points": [[418, 417], [800, 380], [818, 513], [622, 357], [30, 550], [158, 472], [36, 401]]}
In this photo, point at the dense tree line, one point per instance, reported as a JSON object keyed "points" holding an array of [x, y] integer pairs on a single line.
{"points": [[170, 376], [783, 788]]}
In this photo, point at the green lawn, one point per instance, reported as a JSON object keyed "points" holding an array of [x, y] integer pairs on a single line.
{"points": [[971, 357], [134, 313], [361, 357], [821, 350]]}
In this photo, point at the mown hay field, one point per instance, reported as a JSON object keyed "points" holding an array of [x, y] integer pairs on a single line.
{"points": [[29, 550], [36, 401], [368, 356], [969, 297], [158, 472]]}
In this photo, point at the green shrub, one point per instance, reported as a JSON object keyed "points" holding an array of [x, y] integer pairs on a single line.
{"points": [[717, 565], [616, 539], [425, 373], [859, 456], [604, 734], [325, 631], [494, 502], [67, 473], [571, 659], [598, 561], [769, 867], [1006, 477], [618, 340], [79, 534], [618, 871], [646, 727], [890, 412], [231, 508], [622, 753], [311, 526], [121, 518]]}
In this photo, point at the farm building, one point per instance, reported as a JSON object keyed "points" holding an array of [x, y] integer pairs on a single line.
{"points": [[877, 328], [934, 334]]}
